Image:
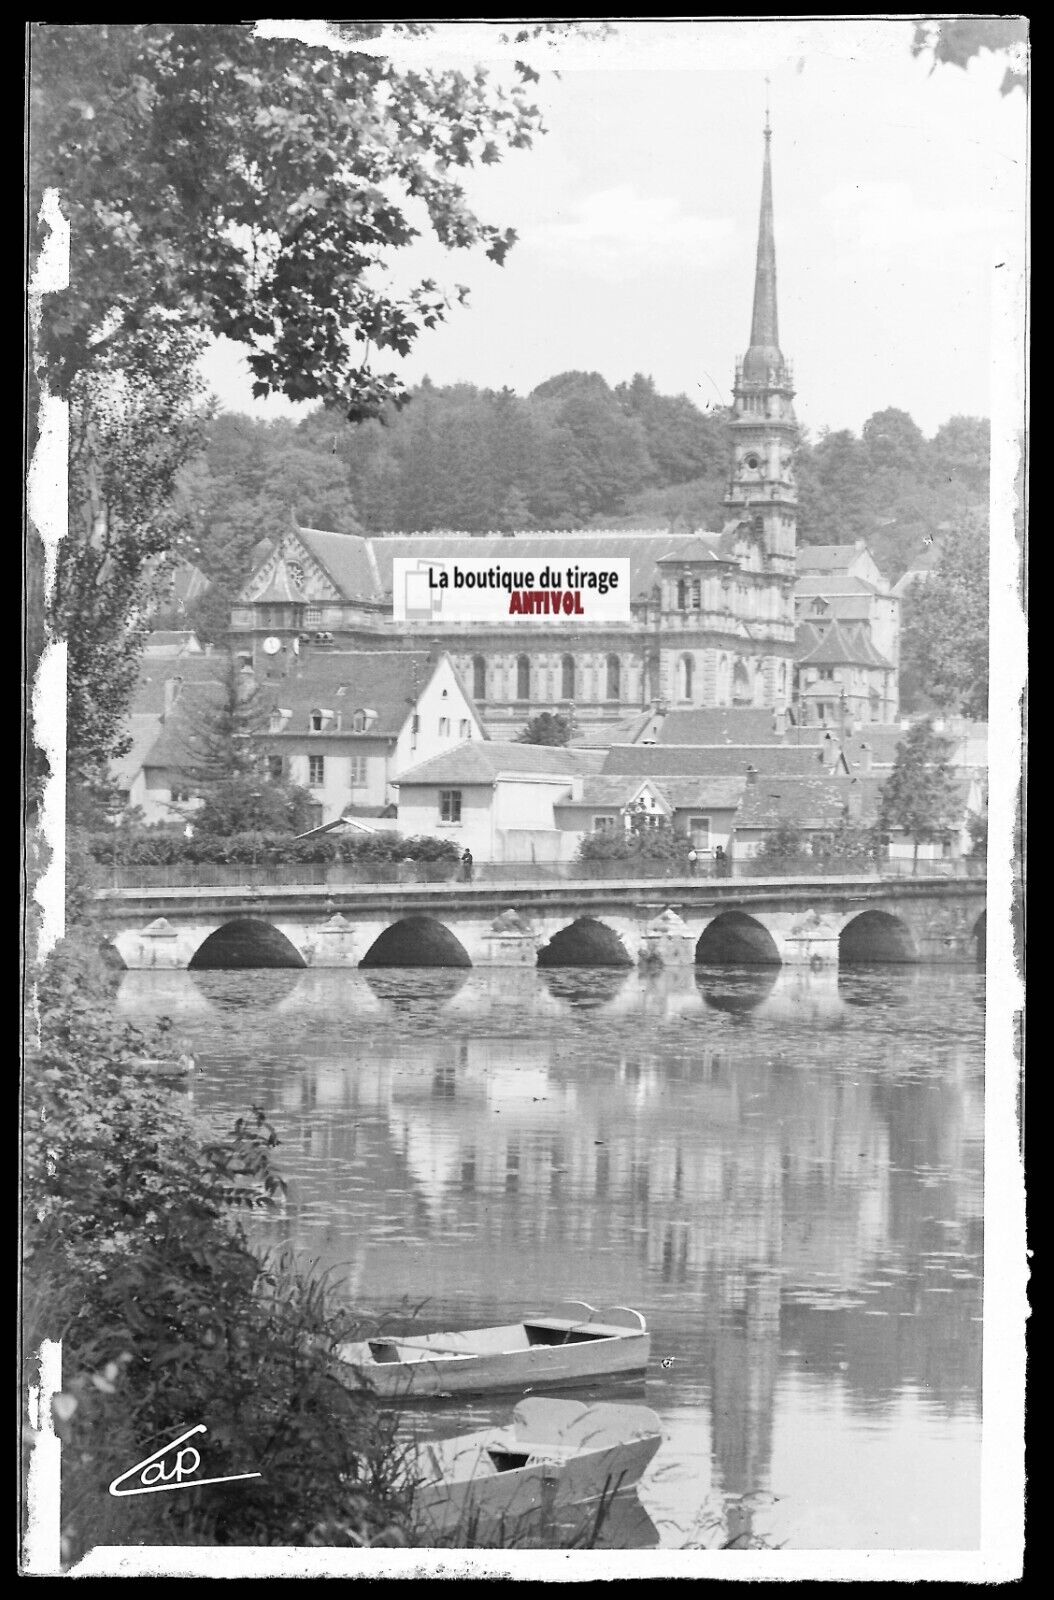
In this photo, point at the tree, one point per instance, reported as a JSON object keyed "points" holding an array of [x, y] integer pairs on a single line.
{"points": [[134, 422], [944, 640], [920, 797], [785, 846], [548, 727], [955, 41], [258, 188], [221, 729]]}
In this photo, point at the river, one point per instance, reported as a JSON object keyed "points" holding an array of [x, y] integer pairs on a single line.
{"points": [[782, 1170]]}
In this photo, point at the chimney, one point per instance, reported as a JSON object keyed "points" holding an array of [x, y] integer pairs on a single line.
{"points": [[865, 757], [779, 721], [752, 774]]}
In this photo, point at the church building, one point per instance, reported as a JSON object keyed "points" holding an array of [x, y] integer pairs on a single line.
{"points": [[712, 614]]}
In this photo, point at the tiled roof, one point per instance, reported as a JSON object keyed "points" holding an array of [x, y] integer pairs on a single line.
{"points": [[386, 681], [884, 740], [826, 557], [626, 732], [843, 647], [808, 802], [719, 725], [166, 641], [477, 762], [148, 696], [144, 730], [361, 568], [709, 761], [839, 583]]}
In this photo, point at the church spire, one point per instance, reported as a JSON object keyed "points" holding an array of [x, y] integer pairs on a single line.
{"points": [[764, 324]]}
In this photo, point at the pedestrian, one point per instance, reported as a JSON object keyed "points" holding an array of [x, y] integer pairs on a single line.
{"points": [[466, 865], [693, 860], [719, 859]]}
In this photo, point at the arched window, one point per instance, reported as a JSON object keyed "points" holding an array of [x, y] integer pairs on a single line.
{"points": [[687, 676], [479, 678], [740, 684], [614, 686], [523, 678], [567, 678]]}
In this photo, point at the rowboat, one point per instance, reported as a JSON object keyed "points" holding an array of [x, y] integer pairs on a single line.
{"points": [[570, 1344], [553, 1456]]}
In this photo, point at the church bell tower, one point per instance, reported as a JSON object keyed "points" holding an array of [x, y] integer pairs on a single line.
{"points": [[762, 498]]}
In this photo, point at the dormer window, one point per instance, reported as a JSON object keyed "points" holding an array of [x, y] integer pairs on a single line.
{"points": [[316, 722], [321, 719]]}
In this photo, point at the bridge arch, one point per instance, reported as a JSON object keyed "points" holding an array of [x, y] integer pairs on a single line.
{"points": [[876, 936], [245, 942], [584, 943], [416, 942], [735, 939]]}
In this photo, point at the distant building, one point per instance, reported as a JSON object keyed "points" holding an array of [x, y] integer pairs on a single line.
{"points": [[847, 653]]}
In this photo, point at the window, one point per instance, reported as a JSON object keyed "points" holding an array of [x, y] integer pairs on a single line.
{"points": [[450, 805], [466, 728], [479, 677], [358, 722], [316, 722], [276, 768], [296, 573], [444, 727], [603, 824], [614, 676], [276, 723], [687, 676], [181, 795], [699, 832], [313, 617], [523, 678], [316, 771], [567, 678], [697, 595], [682, 595], [357, 776]]}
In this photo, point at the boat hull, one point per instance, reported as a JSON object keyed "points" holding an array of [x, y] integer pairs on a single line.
{"points": [[571, 1345]]}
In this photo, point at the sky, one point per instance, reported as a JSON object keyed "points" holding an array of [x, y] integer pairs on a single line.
{"points": [[899, 194]]}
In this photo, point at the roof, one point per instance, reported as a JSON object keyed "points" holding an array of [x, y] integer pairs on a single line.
{"points": [[719, 725], [840, 583], [144, 729], [361, 567], [827, 557], [148, 695], [884, 740], [627, 731], [708, 761], [840, 646], [386, 681], [187, 581], [708, 793], [478, 762], [808, 802], [165, 641]]}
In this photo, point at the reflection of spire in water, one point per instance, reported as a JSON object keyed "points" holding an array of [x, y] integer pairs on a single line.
{"points": [[746, 1361], [584, 987], [248, 988], [415, 990], [736, 989]]}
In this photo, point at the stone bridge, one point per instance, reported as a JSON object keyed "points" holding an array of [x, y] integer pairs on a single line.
{"points": [[811, 921]]}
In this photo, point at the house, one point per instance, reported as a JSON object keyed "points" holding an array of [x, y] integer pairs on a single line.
{"points": [[497, 799], [345, 724], [842, 585], [738, 725], [841, 677], [919, 569], [700, 809], [172, 642], [341, 724], [815, 805]]}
